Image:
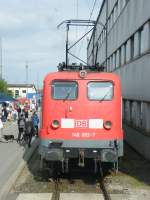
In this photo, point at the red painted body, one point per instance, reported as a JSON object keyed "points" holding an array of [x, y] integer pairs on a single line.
{"points": [[82, 109]]}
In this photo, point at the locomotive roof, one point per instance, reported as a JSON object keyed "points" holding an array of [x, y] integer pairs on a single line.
{"points": [[72, 75]]}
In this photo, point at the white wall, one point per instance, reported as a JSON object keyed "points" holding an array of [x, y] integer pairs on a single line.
{"points": [[21, 94]]}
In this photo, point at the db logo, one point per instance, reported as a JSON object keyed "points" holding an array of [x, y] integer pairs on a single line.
{"points": [[81, 123]]}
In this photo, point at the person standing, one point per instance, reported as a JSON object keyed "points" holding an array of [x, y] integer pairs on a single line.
{"points": [[19, 111], [21, 126], [25, 110], [1, 129], [33, 107], [15, 115], [35, 121], [4, 113], [9, 117], [29, 130]]}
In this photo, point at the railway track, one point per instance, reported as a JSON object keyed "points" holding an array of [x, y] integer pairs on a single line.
{"points": [[83, 181], [56, 193], [57, 182], [103, 185]]}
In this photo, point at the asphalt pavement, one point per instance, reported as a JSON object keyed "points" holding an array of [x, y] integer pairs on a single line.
{"points": [[12, 154]]}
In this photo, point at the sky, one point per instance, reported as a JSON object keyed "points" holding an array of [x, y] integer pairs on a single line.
{"points": [[29, 35]]}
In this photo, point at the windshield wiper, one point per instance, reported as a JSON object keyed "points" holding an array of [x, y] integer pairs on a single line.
{"points": [[102, 99], [68, 94]]}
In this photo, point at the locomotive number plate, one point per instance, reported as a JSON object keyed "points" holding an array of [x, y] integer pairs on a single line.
{"points": [[84, 123]]}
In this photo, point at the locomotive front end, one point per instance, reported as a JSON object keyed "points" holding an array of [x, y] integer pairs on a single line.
{"points": [[81, 118]]}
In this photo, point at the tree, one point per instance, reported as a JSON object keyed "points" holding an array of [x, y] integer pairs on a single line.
{"points": [[3, 86]]}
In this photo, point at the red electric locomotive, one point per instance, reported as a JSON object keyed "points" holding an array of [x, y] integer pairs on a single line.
{"points": [[81, 118]]}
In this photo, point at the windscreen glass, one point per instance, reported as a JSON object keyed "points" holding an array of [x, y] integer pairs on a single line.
{"points": [[62, 90], [100, 91]]}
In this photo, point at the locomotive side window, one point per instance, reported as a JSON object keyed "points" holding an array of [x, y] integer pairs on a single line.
{"points": [[64, 90], [100, 91]]}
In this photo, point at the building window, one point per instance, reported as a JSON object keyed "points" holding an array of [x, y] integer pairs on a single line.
{"points": [[114, 61], [123, 109], [122, 55], [132, 47], [108, 64], [127, 111], [108, 24], [112, 18], [139, 36], [136, 44], [147, 114], [145, 37], [116, 12], [117, 59], [119, 7], [16, 93], [104, 33], [23, 91], [99, 41], [133, 113], [128, 51], [125, 52], [101, 37], [143, 115], [111, 63], [123, 3], [119, 56]]}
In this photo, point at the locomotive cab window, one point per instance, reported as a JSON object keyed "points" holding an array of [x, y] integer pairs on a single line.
{"points": [[100, 91], [64, 90]]}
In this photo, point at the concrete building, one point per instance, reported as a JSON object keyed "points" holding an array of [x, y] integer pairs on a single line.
{"points": [[121, 43], [22, 90]]}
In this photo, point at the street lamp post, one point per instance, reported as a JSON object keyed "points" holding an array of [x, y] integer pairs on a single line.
{"points": [[1, 59], [27, 79]]}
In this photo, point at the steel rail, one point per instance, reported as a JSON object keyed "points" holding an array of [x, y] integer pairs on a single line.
{"points": [[56, 179], [56, 193], [103, 186]]}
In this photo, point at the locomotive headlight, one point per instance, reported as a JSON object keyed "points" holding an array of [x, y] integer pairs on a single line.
{"points": [[83, 73], [55, 124], [107, 125]]}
